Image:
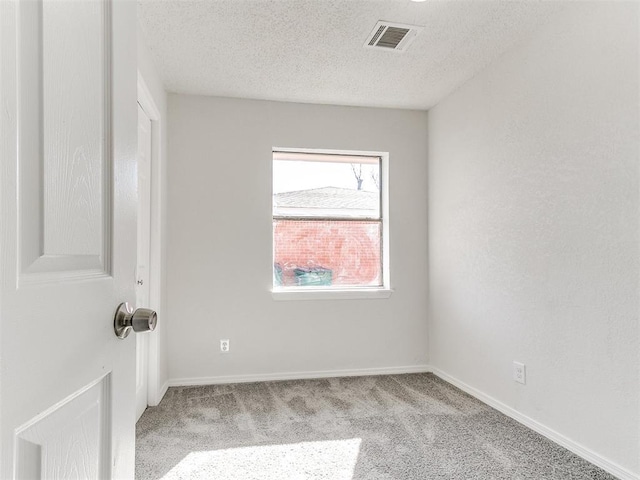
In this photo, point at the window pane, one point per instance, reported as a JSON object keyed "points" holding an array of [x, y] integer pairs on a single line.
{"points": [[327, 252], [326, 189]]}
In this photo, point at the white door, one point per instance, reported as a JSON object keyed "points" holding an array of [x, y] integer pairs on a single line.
{"points": [[67, 238], [144, 238]]}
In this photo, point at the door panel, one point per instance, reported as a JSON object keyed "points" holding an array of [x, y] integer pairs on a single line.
{"points": [[75, 146], [65, 117], [72, 440], [68, 236]]}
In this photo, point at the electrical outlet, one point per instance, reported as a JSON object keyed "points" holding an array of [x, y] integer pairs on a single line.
{"points": [[519, 373], [224, 346]]}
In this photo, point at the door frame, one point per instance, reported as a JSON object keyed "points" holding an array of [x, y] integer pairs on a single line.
{"points": [[155, 391]]}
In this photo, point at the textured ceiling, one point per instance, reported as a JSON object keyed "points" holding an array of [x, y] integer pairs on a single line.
{"points": [[312, 50]]}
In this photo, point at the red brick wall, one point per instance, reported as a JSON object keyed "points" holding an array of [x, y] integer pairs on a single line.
{"points": [[350, 249]]}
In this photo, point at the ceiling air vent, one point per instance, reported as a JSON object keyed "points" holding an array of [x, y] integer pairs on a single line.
{"points": [[392, 36]]}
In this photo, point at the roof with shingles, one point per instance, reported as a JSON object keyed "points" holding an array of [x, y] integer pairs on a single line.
{"points": [[329, 198]]}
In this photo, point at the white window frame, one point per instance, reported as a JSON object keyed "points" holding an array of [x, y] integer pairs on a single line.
{"points": [[344, 293]]}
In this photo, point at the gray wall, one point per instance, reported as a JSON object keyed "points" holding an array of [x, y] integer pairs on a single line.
{"points": [[220, 247], [533, 231]]}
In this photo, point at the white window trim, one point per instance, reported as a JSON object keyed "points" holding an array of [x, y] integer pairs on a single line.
{"points": [[311, 293], [322, 293]]}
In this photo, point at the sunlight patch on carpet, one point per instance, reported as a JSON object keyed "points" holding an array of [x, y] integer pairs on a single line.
{"points": [[330, 460]]}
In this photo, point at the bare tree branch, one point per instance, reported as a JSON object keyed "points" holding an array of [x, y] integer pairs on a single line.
{"points": [[358, 174], [375, 177]]}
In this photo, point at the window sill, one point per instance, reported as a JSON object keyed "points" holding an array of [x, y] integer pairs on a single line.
{"points": [[310, 293]]}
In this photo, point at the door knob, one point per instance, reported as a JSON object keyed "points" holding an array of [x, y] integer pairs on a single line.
{"points": [[142, 320]]}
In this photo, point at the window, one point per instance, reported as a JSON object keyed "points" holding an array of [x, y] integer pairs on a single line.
{"points": [[329, 231]]}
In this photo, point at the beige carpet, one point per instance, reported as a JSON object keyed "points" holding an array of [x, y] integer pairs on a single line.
{"points": [[386, 427]]}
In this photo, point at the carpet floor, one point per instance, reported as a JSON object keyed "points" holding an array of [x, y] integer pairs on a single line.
{"points": [[389, 427]]}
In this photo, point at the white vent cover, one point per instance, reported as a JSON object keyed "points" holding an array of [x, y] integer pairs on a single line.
{"points": [[392, 36]]}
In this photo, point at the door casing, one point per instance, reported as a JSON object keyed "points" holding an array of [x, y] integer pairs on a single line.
{"points": [[156, 390], [143, 281]]}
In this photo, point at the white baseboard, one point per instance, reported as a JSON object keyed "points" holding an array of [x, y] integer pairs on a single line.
{"points": [[160, 394], [268, 377], [581, 451]]}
